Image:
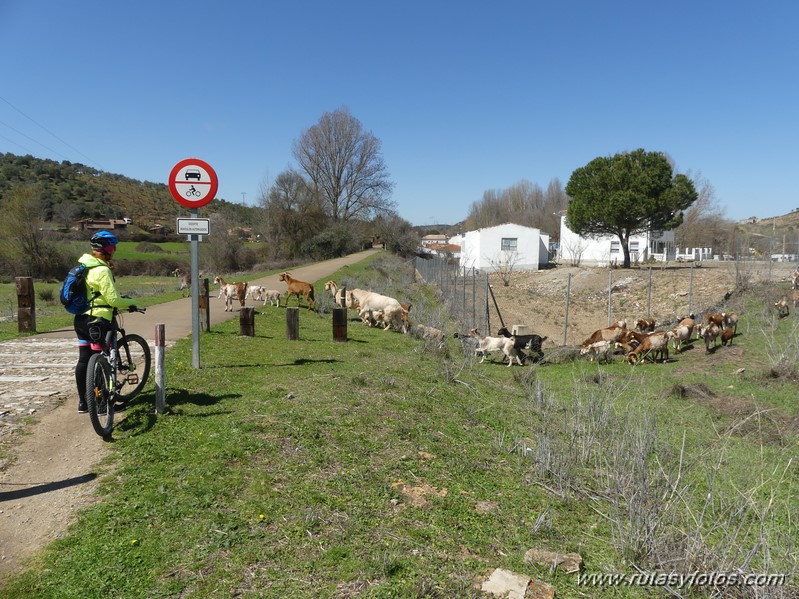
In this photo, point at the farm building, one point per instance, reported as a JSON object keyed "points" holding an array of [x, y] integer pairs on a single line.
{"points": [[655, 245], [492, 248], [92, 224]]}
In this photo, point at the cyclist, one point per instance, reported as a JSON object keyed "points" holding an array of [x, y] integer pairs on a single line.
{"points": [[92, 325]]}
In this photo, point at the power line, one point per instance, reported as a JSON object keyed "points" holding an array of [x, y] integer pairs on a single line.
{"points": [[17, 144], [33, 140], [48, 131]]}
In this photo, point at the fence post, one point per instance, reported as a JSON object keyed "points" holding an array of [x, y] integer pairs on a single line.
{"points": [[649, 296], [26, 305], [292, 323], [610, 286], [453, 302], [339, 324], [474, 298], [488, 315], [160, 377], [204, 306], [247, 322], [691, 291], [566, 323], [463, 309]]}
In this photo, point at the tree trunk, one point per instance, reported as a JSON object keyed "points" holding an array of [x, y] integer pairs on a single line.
{"points": [[625, 247]]}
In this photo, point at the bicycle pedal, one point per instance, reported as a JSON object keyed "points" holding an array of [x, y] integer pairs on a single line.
{"points": [[132, 379]]}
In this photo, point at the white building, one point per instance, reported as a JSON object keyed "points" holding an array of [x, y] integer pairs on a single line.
{"points": [[525, 248], [657, 245]]}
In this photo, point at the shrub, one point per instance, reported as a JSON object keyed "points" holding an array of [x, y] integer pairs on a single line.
{"points": [[46, 294]]}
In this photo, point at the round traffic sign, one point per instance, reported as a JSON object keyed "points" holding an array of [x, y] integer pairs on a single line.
{"points": [[193, 182]]}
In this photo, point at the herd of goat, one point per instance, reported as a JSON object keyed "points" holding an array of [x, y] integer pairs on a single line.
{"points": [[644, 343]]}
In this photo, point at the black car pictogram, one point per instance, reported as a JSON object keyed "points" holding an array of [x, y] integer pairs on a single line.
{"points": [[193, 173]]}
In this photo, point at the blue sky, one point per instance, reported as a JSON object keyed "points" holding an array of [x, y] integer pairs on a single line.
{"points": [[464, 96]]}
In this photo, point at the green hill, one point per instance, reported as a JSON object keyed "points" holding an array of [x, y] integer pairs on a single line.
{"points": [[71, 191]]}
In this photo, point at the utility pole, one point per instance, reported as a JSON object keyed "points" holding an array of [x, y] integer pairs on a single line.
{"points": [[243, 197]]}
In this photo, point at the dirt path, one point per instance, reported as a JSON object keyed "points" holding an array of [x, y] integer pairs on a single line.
{"points": [[53, 465]]}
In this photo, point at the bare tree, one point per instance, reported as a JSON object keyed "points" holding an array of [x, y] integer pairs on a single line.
{"points": [[524, 203], [344, 166], [575, 248], [703, 223], [504, 265]]}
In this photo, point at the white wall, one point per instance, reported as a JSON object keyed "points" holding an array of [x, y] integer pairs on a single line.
{"points": [[599, 250], [482, 247]]}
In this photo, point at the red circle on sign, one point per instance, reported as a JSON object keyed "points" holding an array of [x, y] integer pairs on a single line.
{"points": [[193, 183]]}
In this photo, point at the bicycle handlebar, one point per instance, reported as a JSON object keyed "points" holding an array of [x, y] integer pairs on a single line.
{"points": [[138, 309]]}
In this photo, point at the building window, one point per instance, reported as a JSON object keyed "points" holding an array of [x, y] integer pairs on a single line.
{"points": [[615, 247], [509, 244], [634, 247]]}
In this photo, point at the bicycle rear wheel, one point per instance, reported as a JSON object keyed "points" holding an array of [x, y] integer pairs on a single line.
{"points": [[133, 366], [100, 395]]}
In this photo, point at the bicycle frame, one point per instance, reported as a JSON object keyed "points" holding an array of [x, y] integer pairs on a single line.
{"points": [[105, 390]]}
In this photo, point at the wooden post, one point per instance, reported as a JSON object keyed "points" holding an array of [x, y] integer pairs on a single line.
{"points": [[247, 322], [293, 323], [160, 378], [204, 306], [339, 324], [343, 297], [26, 305]]}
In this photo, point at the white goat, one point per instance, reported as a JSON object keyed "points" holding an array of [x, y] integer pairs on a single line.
{"points": [[682, 333], [271, 295], [487, 345], [370, 302], [602, 350], [334, 289], [231, 291], [730, 321], [710, 333], [255, 292]]}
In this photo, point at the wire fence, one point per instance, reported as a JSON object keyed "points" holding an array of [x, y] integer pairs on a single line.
{"points": [[469, 298]]}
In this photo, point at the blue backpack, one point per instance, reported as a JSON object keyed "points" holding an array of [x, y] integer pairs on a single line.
{"points": [[74, 290]]}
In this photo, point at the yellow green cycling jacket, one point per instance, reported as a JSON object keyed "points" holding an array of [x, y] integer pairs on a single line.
{"points": [[103, 294]]}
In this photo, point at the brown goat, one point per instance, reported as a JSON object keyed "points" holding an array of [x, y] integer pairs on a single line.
{"points": [[298, 288], [612, 334], [652, 345], [646, 325], [727, 335]]}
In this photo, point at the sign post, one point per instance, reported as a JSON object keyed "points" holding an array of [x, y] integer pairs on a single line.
{"points": [[193, 183]]}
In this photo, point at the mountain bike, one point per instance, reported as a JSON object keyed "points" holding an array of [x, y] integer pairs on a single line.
{"points": [[116, 374]]}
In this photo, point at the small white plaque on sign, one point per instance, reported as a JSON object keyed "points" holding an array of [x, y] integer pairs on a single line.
{"points": [[194, 226]]}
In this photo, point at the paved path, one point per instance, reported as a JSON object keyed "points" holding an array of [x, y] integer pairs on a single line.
{"points": [[51, 472]]}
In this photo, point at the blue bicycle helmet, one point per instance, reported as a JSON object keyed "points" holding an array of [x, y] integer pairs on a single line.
{"points": [[102, 239]]}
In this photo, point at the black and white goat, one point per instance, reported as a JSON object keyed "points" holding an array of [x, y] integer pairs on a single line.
{"points": [[529, 342]]}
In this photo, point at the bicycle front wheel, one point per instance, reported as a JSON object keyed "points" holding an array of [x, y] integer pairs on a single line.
{"points": [[100, 395], [133, 366]]}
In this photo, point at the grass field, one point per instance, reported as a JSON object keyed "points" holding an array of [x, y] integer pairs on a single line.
{"points": [[148, 290], [386, 467]]}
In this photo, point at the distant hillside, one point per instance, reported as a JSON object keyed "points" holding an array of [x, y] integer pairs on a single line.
{"points": [[773, 235], [73, 191]]}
